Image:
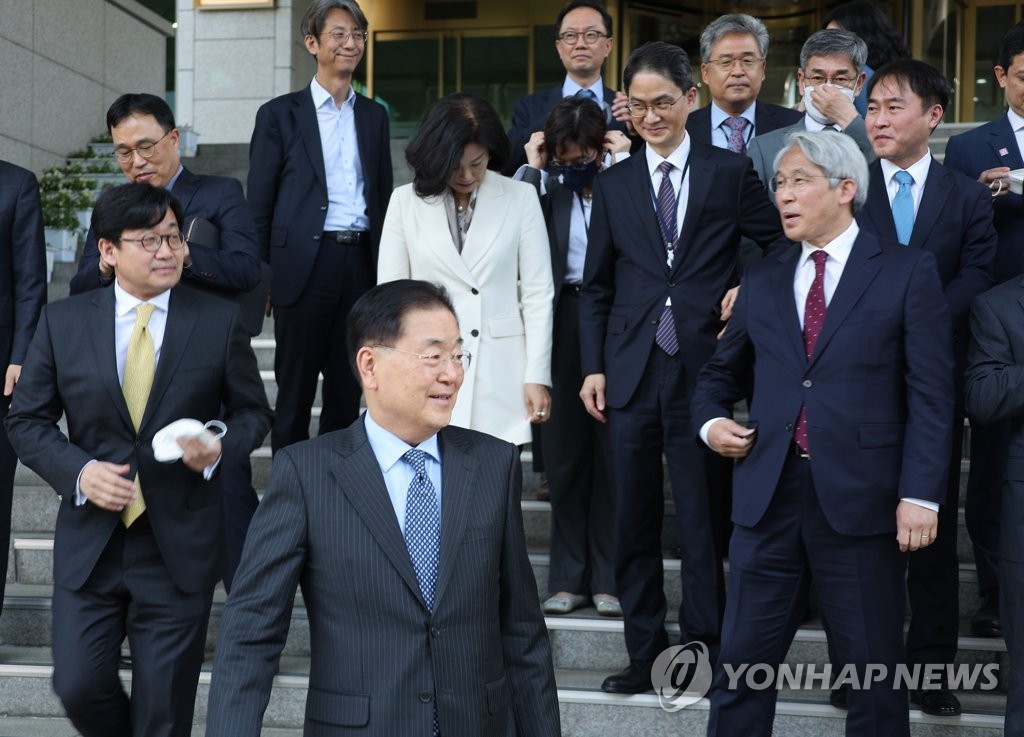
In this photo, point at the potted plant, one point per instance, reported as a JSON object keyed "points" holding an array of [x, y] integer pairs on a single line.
{"points": [[63, 193], [102, 145]]}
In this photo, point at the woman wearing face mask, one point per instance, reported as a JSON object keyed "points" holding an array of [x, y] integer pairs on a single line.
{"points": [[463, 225], [577, 454]]}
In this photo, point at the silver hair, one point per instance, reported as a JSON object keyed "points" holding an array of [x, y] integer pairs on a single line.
{"points": [[733, 23], [835, 42], [835, 154], [316, 15]]}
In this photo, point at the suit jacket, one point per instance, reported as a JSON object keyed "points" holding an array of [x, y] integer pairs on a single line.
{"points": [[288, 184], [767, 117], [557, 207], [878, 390], [506, 325], [765, 147], [986, 147], [530, 115], [626, 279], [379, 655], [995, 391], [205, 362], [22, 262], [954, 223]]}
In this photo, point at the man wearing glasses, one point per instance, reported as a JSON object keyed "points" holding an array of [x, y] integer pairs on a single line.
{"points": [[734, 51], [319, 183], [137, 539], [583, 41], [222, 256]]}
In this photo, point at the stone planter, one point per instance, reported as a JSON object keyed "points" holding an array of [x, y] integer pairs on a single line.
{"points": [[49, 265], [84, 220], [189, 141], [63, 243]]}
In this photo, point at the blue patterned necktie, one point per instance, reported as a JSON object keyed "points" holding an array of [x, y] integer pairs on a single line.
{"points": [[737, 127], [589, 94], [665, 336], [422, 526], [903, 207]]}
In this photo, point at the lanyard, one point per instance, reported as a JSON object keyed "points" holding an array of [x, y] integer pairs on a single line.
{"points": [[673, 238]]}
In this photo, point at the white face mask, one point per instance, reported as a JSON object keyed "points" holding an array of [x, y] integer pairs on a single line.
{"points": [[814, 112]]}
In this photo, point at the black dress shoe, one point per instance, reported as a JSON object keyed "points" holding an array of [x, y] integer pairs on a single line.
{"points": [[635, 678], [839, 696], [939, 702], [985, 622]]}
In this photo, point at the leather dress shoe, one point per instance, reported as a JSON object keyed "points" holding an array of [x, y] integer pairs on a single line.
{"points": [[563, 602], [607, 605], [839, 697], [634, 678], [985, 622], [939, 702]]}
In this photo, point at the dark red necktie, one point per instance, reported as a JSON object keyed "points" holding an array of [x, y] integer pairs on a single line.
{"points": [[814, 318]]}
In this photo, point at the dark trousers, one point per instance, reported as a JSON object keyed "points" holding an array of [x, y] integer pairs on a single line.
{"points": [[655, 421], [8, 464], [311, 340], [579, 468], [990, 445], [860, 583], [129, 592], [933, 578]]}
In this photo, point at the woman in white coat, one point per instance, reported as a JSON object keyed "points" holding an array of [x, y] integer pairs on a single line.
{"points": [[482, 236]]}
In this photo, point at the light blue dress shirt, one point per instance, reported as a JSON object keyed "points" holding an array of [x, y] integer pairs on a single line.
{"points": [[346, 189]]}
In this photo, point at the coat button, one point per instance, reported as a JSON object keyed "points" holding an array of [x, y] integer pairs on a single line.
{"points": [[474, 332], [654, 321], [789, 427], [435, 631], [474, 291], [316, 237], [671, 284], [808, 383], [425, 697], [323, 207]]}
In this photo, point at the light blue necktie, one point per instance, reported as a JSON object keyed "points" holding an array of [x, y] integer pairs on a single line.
{"points": [[589, 94], [422, 526], [903, 207]]}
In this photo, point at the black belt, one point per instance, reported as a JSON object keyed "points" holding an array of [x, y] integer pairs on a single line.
{"points": [[571, 290], [348, 237], [797, 452]]}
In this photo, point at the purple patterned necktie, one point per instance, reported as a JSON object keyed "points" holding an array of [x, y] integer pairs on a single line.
{"points": [[814, 318], [737, 127], [665, 336]]}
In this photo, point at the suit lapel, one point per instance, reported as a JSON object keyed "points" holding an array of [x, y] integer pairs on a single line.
{"points": [[457, 473], [182, 315], [877, 214], [937, 189], [701, 175], [309, 130], [561, 213], [1003, 139], [363, 136], [185, 188], [782, 292], [358, 474], [639, 186], [488, 219], [101, 329], [857, 275]]}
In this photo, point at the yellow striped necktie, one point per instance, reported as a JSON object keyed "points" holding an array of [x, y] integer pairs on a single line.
{"points": [[139, 367]]}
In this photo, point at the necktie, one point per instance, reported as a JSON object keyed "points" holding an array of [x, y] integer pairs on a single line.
{"points": [[139, 367], [737, 127], [665, 336], [589, 94], [422, 526], [814, 317], [903, 207]]}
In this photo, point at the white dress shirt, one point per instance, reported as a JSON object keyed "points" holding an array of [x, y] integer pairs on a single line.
{"points": [[388, 448], [719, 133], [1017, 124], [346, 190]]}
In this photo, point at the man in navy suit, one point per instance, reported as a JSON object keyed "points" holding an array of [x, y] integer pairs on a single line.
{"points": [[583, 42], [837, 469], [950, 215], [146, 146], [319, 182], [22, 295], [734, 54], [664, 238], [988, 153]]}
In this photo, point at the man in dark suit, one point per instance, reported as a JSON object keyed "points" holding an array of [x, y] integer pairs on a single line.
{"points": [[319, 183], [583, 41], [988, 153], [838, 470], [950, 215], [648, 320], [995, 393], [407, 538], [137, 541], [222, 256], [734, 55], [22, 295]]}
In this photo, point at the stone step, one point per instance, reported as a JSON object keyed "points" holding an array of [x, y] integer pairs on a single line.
{"points": [[585, 710]]}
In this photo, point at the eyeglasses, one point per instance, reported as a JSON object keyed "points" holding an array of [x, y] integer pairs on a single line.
{"points": [[152, 242], [434, 361], [639, 109], [145, 150], [726, 63], [797, 183], [817, 80], [342, 36], [589, 37]]}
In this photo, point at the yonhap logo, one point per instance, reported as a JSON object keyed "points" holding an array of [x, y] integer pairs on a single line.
{"points": [[681, 675]]}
